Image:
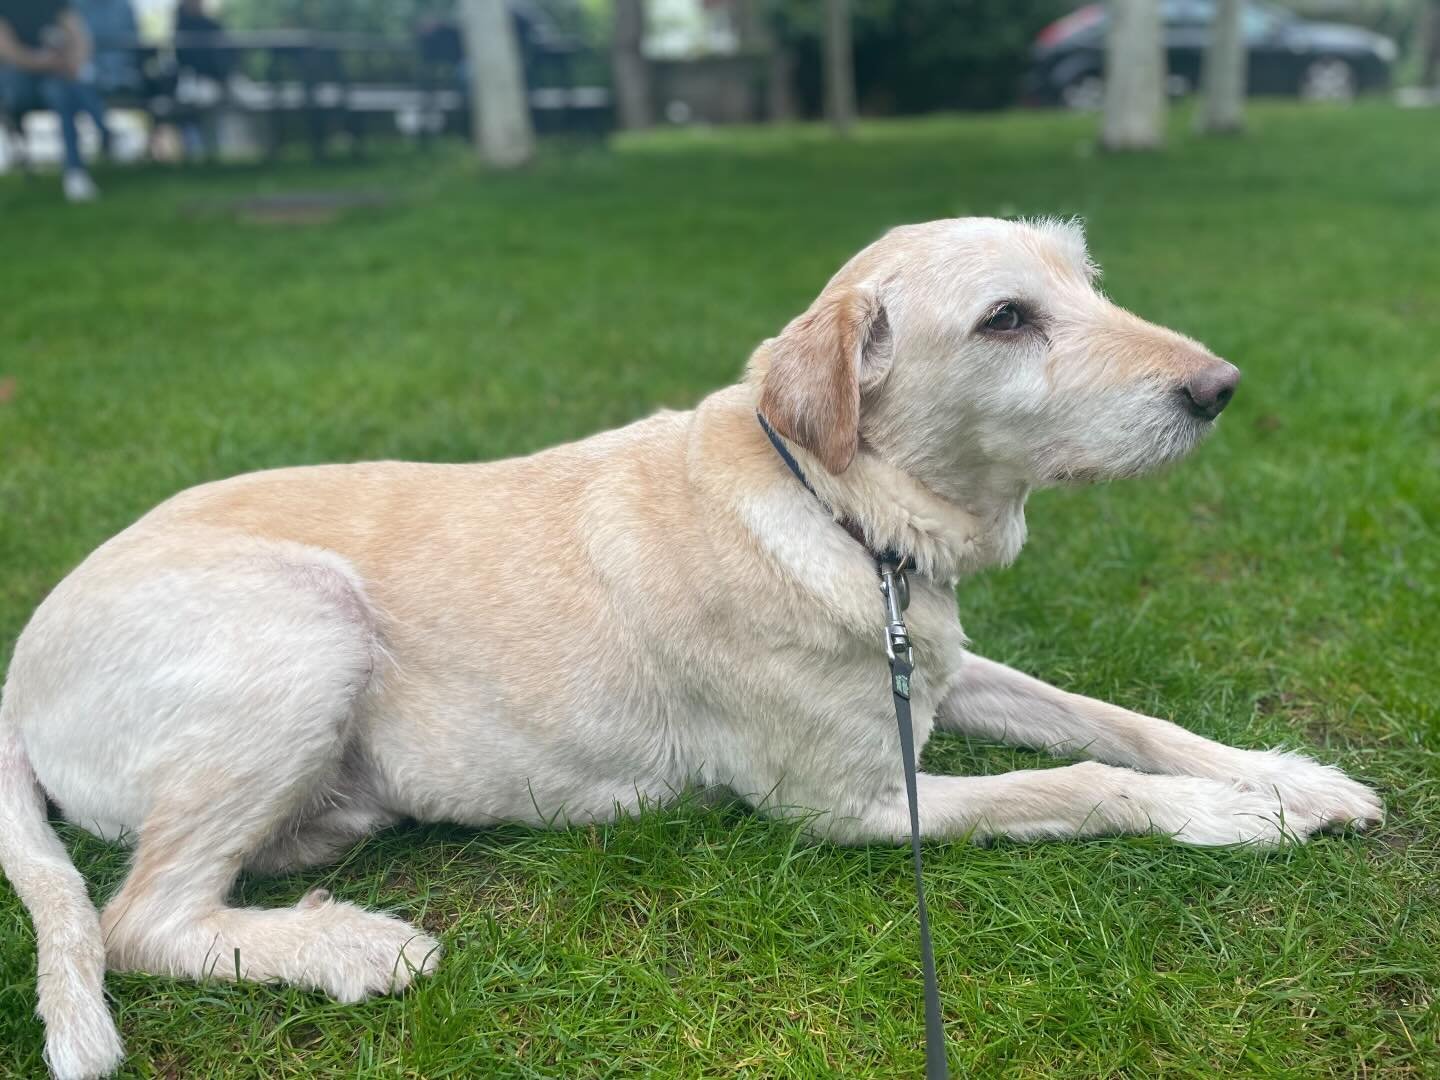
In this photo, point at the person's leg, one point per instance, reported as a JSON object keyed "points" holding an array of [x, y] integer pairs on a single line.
{"points": [[192, 139], [59, 96], [17, 91], [92, 103], [66, 99], [12, 86]]}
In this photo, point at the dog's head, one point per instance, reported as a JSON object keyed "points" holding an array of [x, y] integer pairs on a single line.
{"points": [[976, 344]]}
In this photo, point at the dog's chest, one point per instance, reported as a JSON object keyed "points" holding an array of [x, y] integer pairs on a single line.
{"points": [[826, 703], [936, 632]]}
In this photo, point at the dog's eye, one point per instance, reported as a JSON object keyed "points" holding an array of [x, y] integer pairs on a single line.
{"points": [[1005, 319]]}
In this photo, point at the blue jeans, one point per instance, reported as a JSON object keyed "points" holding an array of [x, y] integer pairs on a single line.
{"points": [[21, 91]]}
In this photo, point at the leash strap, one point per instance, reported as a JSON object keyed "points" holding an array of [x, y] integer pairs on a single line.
{"points": [[896, 589], [902, 666]]}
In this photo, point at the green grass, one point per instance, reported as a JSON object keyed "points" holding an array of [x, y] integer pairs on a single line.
{"points": [[1279, 589]]}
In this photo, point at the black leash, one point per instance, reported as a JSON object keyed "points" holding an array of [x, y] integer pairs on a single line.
{"points": [[902, 665], [895, 587]]}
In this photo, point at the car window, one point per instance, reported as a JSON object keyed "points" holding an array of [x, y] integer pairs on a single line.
{"points": [[1187, 12], [1260, 21]]}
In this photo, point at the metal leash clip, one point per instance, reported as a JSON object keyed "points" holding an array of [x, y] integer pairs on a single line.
{"points": [[896, 588]]}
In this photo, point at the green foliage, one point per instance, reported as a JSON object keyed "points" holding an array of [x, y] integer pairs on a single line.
{"points": [[920, 55], [1280, 588]]}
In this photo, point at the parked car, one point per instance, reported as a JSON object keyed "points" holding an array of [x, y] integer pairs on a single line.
{"points": [[1290, 56]]}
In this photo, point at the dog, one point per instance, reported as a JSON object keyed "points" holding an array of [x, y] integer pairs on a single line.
{"points": [[263, 670]]}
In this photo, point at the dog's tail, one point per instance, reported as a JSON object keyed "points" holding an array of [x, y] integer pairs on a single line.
{"points": [[80, 1037]]}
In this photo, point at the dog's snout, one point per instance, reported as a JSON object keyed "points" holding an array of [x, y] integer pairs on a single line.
{"points": [[1208, 391]]}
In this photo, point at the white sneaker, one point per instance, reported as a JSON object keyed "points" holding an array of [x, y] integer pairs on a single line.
{"points": [[79, 187]]}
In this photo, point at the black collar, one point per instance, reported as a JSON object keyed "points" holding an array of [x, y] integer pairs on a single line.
{"points": [[889, 556]]}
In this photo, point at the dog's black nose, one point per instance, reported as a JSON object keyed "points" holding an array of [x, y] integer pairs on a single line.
{"points": [[1207, 392]]}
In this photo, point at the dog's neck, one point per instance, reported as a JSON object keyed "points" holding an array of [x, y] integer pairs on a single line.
{"points": [[888, 510]]}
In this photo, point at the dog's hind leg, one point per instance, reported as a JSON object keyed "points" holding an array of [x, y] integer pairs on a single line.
{"points": [[170, 917], [251, 685], [344, 812]]}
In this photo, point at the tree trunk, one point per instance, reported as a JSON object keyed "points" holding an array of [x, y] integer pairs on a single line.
{"points": [[499, 105], [1430, 46], [752, 26], [1223, 110], [1134, 77], [839, 66], [780, 86], [632, 74], [758, 39]]}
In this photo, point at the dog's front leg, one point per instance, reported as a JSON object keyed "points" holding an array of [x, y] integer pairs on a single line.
{"points": [[1088, 799], [992, 701]]}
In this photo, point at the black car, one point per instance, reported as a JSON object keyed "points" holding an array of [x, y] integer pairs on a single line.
{"points": [[1288, 55]]}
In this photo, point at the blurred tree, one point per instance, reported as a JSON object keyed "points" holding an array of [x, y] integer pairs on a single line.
{"points": [[1134, 116], [499, 105], [919, 55], [631, 73], [1430, 46], [839, 66], [1223, 110], [758, 38]]}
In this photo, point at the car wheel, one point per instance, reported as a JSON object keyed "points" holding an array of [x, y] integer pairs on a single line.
{"points": [[1328, 79], [1085, 93]]}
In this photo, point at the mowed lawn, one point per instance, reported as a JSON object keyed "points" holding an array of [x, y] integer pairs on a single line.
{"points": [[1279, 589]]}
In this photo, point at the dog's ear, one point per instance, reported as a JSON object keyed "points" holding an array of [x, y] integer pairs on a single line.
{"points": [[818, 365]]}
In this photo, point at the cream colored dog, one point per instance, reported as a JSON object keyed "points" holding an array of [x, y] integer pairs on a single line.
{"points": [[263, 670]]}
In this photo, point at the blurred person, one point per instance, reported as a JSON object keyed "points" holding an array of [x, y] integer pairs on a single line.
{"points": [[114, 32], [46, 59], [195, 29]]}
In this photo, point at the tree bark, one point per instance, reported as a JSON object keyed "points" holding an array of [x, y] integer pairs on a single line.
{"points": [[839, 66], [758, 39], [1134, 77], [1430, 46], [1223, 110], [780, 86], [750, 22], [632, 73], [499, 105]]}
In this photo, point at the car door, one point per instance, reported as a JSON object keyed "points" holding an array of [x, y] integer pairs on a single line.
{"points": [[1274, 66]]}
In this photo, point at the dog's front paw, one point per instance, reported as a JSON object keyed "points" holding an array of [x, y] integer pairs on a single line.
{"points": [[1216, 812], [1320, 796]]}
